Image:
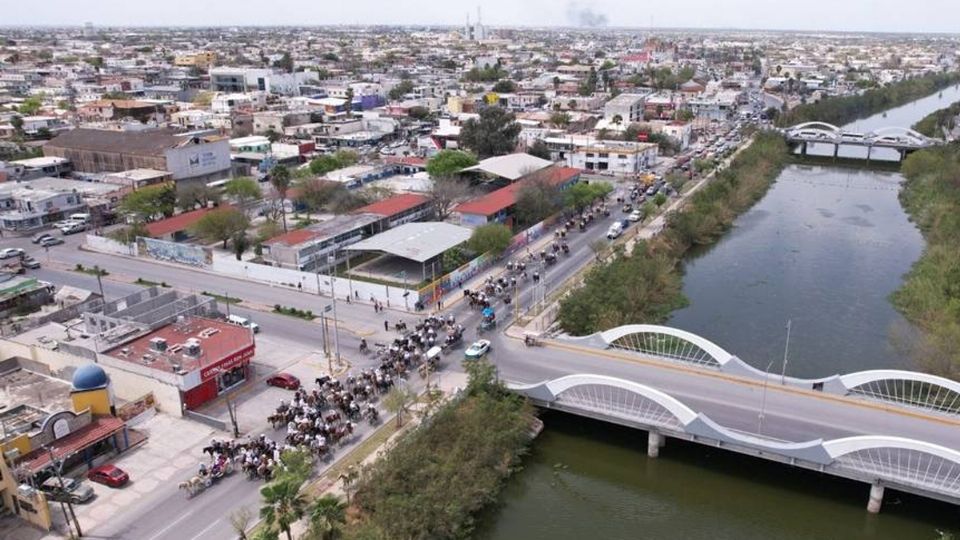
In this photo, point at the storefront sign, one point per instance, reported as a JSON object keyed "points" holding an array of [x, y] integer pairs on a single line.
{"points": [[237, 359]]}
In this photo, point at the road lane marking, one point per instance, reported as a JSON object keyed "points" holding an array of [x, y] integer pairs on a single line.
{"points": [[204, 531], [171, 525], [747, 382]]}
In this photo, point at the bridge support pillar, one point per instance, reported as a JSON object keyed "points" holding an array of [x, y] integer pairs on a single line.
{"points": [[869, 151], [876, 499], [803, 149], [836, 151], [655, 441]]}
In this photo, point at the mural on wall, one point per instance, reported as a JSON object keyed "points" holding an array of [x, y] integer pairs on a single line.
{"points": [[173, 252]]}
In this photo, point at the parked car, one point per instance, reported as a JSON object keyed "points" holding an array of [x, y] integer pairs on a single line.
{"points": [[52, 241], [37, 238], [30, 262], [72, 491], [636, 215], [244, 322], [478, 349], [108, 475], [9, 253], [284, 380], [615, 230], [74, 228]]}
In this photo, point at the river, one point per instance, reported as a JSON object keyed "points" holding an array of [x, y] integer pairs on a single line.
{"points": [[824, 248]]}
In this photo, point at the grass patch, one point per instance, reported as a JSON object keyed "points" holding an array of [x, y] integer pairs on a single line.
{"points": [[293, 312], [96, 270], [354, 457], [149, 283], [222, 298]]}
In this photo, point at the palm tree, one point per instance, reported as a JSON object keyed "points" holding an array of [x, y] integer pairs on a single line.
{"points": [[280, 180], [398, 401], [284, 505], [327, 515]]}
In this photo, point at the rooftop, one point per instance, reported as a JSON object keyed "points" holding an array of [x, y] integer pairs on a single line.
{"points": [[511, 166], [217, 340], [325, 229], [394, 205], [180, 222], [503, 198], [152, 142], [416, 241]]}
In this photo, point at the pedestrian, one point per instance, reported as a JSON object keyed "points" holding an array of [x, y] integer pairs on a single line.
{"points": [[300, 286], [460, 284], [356, 294], [386, 326], [375, 310]]}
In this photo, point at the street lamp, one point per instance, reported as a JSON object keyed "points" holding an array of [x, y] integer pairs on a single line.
{"points": [[786, 349], [57, 469], [763, 400]]}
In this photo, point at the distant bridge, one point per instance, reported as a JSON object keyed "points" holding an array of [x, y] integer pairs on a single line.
{"points": [[908, 441], [904, 140]]}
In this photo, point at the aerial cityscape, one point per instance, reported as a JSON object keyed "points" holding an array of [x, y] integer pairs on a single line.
{"points": [[479, 270]]}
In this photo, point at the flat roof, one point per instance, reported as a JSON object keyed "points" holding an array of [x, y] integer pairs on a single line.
{"points": [[511, 166], [218, 340], [418, 242], [42, 161]]}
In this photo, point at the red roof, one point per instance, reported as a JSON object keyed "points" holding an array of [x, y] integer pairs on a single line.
{"points": [[638, 57], [393, 205], [411, 161], [179, 222], [293, 238], [100, 428], [505, 197]]}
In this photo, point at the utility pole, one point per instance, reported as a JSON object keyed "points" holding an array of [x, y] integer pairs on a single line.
{"points": [[96, 268], [786, 349], [57, 466], [226, 300], [331, 262], [763, 400]]}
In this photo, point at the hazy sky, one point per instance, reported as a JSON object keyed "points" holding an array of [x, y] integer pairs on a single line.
{"points": [[863, 15]]}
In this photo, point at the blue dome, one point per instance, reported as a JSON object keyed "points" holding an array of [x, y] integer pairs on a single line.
{"points": [[89, 377]]}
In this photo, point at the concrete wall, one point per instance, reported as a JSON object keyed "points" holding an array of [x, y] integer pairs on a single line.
{"points": [[195, 160], [107, 245]]}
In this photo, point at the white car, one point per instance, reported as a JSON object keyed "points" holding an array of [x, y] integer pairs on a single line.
{"points": [[636, 215], [614, 231], [11, 252], [478, 349]]}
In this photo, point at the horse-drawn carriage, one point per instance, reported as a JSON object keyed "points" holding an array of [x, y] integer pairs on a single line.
{"points": [[207, 476], [488, 320], [453, 339]]}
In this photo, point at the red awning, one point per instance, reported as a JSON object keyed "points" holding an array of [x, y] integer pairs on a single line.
{"points": [[87, 436]]}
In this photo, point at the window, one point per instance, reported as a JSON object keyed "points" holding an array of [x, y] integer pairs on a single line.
{"points": [[622, 156], [589, 154], [604, 154]]}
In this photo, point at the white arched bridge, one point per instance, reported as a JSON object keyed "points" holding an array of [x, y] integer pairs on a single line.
{"points": [[909, 465], [904, 140], [890, 428]]}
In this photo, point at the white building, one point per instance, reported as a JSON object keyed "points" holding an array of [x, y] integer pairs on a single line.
{"points": [[629, 107], [241, 80], [615, 157]]}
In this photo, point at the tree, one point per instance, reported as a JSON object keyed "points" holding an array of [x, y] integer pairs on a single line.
{"points": [[197, 195], [280, 180], [581, 194], [445, 193], [398, 401], [17, 123], [150, 202], [505, 86], [560, 119], [448, 163], [403, 88], [240, 520], [283, 504], [243, 190], [493, 134], [285, 62], [539, 149], [659, 199], [492, 237], [30, 106], [536, 200], [327, 517], [315, 193], [240, 242], [420, 113], [221, 225], [617, 119]]}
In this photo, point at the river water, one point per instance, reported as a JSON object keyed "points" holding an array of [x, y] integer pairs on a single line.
{"points": [[824, 248]]}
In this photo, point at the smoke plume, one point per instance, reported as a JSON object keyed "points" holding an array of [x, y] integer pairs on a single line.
{"points": [[585, 16]]}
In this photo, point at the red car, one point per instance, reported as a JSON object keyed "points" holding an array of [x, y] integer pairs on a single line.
{"points": [[108, 475], [284, 380]]}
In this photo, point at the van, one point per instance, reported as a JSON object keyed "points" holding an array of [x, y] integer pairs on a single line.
{"points": [[615, 230], [80, 218], [244, 322]]}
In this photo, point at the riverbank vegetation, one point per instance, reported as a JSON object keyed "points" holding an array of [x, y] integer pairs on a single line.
{"points": [[930, 295], [433, 482], [932, 125], [645, 286], [843, 110]]}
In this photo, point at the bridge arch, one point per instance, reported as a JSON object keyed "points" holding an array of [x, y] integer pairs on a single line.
{"points": [[913, 389], [611, 396], [900, 132], [906, 461], [821, 126], [667, 343]]}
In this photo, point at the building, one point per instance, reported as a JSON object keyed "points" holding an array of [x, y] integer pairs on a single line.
{"points": [[31, 168], [202, 59], [135, 179], [241, 80], [497, 206], [511, 166], [188, 157], [207, 357], [120, 109], [616, 157], [399, 209], [37, 203], [309, 248], [628, 107], [20, 295], [177, 228]]}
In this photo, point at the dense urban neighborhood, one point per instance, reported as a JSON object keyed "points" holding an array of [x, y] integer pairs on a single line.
{"points": [[397, 282]]}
